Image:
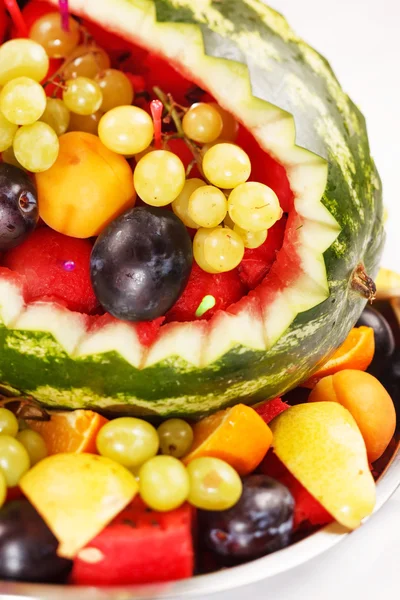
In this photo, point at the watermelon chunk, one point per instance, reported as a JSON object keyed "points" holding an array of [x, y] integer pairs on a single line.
{"points": [[271, 409], [54, 266], [226, 288], [139, 546], [257, 262], [308, 511]]}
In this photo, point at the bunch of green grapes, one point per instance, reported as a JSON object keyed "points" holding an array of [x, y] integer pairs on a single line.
{"points": [[19, 450], [164, 481]]}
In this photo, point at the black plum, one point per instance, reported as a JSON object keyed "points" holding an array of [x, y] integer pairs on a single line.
{"points": [[384, 339], [28, 547], [260, 523], [19, 211], [141, 263], [390, 378]]}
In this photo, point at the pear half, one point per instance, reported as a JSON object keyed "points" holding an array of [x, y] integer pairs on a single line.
{"points": [[321, 445], [77, 495]]}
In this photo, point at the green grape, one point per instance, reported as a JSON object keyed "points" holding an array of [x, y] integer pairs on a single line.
{"points": [[57, 115], [8, 422], [14, 460], [86, 123], [254, 206], [126, 130], [214, 485], [180, 205], [116, 88], [159, 177], [7, 133], [218, 250], [226, 165], [176, 437], [251, 239], [22, 101], [48, 32], [34, 444], [86, 61], [199, 242], [82, 96], [163, 483], [22, 58], [202, 123], [9, 157], [128, 441], [207, 206], [230, 127], [3, 489], [36, 147]]}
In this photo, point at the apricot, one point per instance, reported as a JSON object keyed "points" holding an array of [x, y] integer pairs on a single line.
{"points": [[87, 187], [367, 400]]}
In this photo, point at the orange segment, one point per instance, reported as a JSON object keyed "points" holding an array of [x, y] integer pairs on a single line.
{"points": [[237, 435], [356, 353], [73, 431]]}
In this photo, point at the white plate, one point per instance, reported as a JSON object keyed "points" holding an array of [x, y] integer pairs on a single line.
{"points": [[235, 577]]}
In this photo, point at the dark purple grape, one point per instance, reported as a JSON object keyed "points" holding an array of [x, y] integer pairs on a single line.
{"points": [[141, 263], [19, 211], [28, 547], [384, 339], [260, 523], [390, 378]]}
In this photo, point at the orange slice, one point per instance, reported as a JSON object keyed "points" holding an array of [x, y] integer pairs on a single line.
{"points": [[236, 435], [356, 353], [73, 431]]}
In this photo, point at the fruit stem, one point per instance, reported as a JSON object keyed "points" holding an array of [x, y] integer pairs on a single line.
{"points": [[58, 74], [64, 12], [17, 18], [363, 284], [156, 107], [169, 106], [25, 407]]}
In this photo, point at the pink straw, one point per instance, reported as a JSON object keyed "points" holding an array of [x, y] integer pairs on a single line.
{"points": [[156, 108], [64, 12], [17, 18]]}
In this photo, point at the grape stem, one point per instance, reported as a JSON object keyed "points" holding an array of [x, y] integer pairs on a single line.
{"points": [[58, 74], [170, 107]]}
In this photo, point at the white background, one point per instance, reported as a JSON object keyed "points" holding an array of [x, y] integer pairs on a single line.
{"points": [[361, 38]]}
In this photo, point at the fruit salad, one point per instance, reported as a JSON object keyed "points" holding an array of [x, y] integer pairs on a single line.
{"points": [[184, 383]]}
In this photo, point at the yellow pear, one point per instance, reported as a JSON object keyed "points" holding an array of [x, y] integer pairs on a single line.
{"points": [[78, 495], [321, 445]]}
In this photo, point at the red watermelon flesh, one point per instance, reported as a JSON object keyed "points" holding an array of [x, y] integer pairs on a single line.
{"points": [[4, 21], [55, 266], [32, 11], [307, 509], [139, 546], [266, 170], [270, 409], [257, 262], [226, 288]]}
